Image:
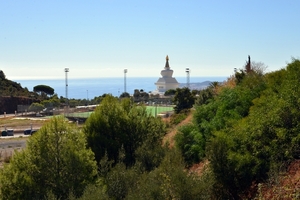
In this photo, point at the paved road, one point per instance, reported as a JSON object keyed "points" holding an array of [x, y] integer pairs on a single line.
{"points": [[16, 135], [12, 143], [18, 141]]}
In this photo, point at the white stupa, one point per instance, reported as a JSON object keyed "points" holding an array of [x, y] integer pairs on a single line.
{"points": [[166, 82]]}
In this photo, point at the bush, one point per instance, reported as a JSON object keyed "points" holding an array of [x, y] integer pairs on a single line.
{"points": [[54, 161], [171, 181], [177, 118], [191, 144], [115, 125]]}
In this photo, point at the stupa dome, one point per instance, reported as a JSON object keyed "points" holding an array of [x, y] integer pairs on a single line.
{"points": [[167, 82], [166, 73]]}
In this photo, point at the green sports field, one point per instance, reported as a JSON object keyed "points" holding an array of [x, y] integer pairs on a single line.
{"points": [[155, 110]]}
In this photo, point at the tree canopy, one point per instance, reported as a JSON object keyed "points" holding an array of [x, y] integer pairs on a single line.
{"points": [[55, 161], [124, 95], [43, 89], [120, 125], [248, 131], [170, 92], [11, 88], [140, 95], [2, 75], [183, 99], [36, 107]]}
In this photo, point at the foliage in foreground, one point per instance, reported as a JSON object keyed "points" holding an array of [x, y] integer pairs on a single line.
{"points": [[116, 126], [248, 130], [54, 161], [191, 144], [168, 181], [171, 181]]}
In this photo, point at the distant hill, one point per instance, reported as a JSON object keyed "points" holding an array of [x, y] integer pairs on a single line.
{"points": [[197, 85], [12, 94], [11, 88]]}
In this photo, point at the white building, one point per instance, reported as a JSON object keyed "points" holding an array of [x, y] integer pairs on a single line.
{"points": [[166, 82]]}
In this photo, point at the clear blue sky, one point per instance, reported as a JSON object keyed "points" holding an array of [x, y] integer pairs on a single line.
{"points": [[100, 38]]}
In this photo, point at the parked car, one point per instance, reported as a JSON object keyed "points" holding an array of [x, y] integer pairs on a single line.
{"points": [[4, 133], [10, 132], [29, 131]]}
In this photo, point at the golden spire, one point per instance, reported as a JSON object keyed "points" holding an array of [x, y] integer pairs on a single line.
{"points": [[167, 63]]}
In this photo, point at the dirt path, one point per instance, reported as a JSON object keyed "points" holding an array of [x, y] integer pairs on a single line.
{"points": [[169, 137], [288, 185]]}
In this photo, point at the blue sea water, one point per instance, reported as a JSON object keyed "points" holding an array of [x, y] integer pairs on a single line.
{"points": [[94, 87]]}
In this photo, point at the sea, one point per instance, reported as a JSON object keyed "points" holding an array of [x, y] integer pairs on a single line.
{"points": [[94, 87]]}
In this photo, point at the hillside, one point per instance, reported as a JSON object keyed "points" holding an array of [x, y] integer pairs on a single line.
{"points": [[249, 132], [196, 85], [169, 137], [12, 94], [284, 185], [11, 88]]}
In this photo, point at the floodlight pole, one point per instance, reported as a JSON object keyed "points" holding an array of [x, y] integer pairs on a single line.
{"points": [[87, 97], [187, 70], [125, 71], [66, 72]]}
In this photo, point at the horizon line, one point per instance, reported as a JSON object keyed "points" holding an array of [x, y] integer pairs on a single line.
{"points": [[81, 78]]}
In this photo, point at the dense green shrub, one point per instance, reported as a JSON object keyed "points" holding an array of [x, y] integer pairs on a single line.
{"points": [[183, 99], [191, 144], [170, 181], [54, 161], [246, 149], [115, 125], [119, 181], [177, 118]]}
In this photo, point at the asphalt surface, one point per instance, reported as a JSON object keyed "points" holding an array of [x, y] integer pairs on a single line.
{"points": [[8, 142], [18, 141]]}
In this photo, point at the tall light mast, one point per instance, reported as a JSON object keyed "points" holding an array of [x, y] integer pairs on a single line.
{"points": [[125, 72], [187, 70], [66, 72]]}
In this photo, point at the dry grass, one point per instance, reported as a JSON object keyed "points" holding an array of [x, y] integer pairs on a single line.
{"points": [[169, 137], [287, 187], [8, 150], [5, 156], [12, 122]]}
